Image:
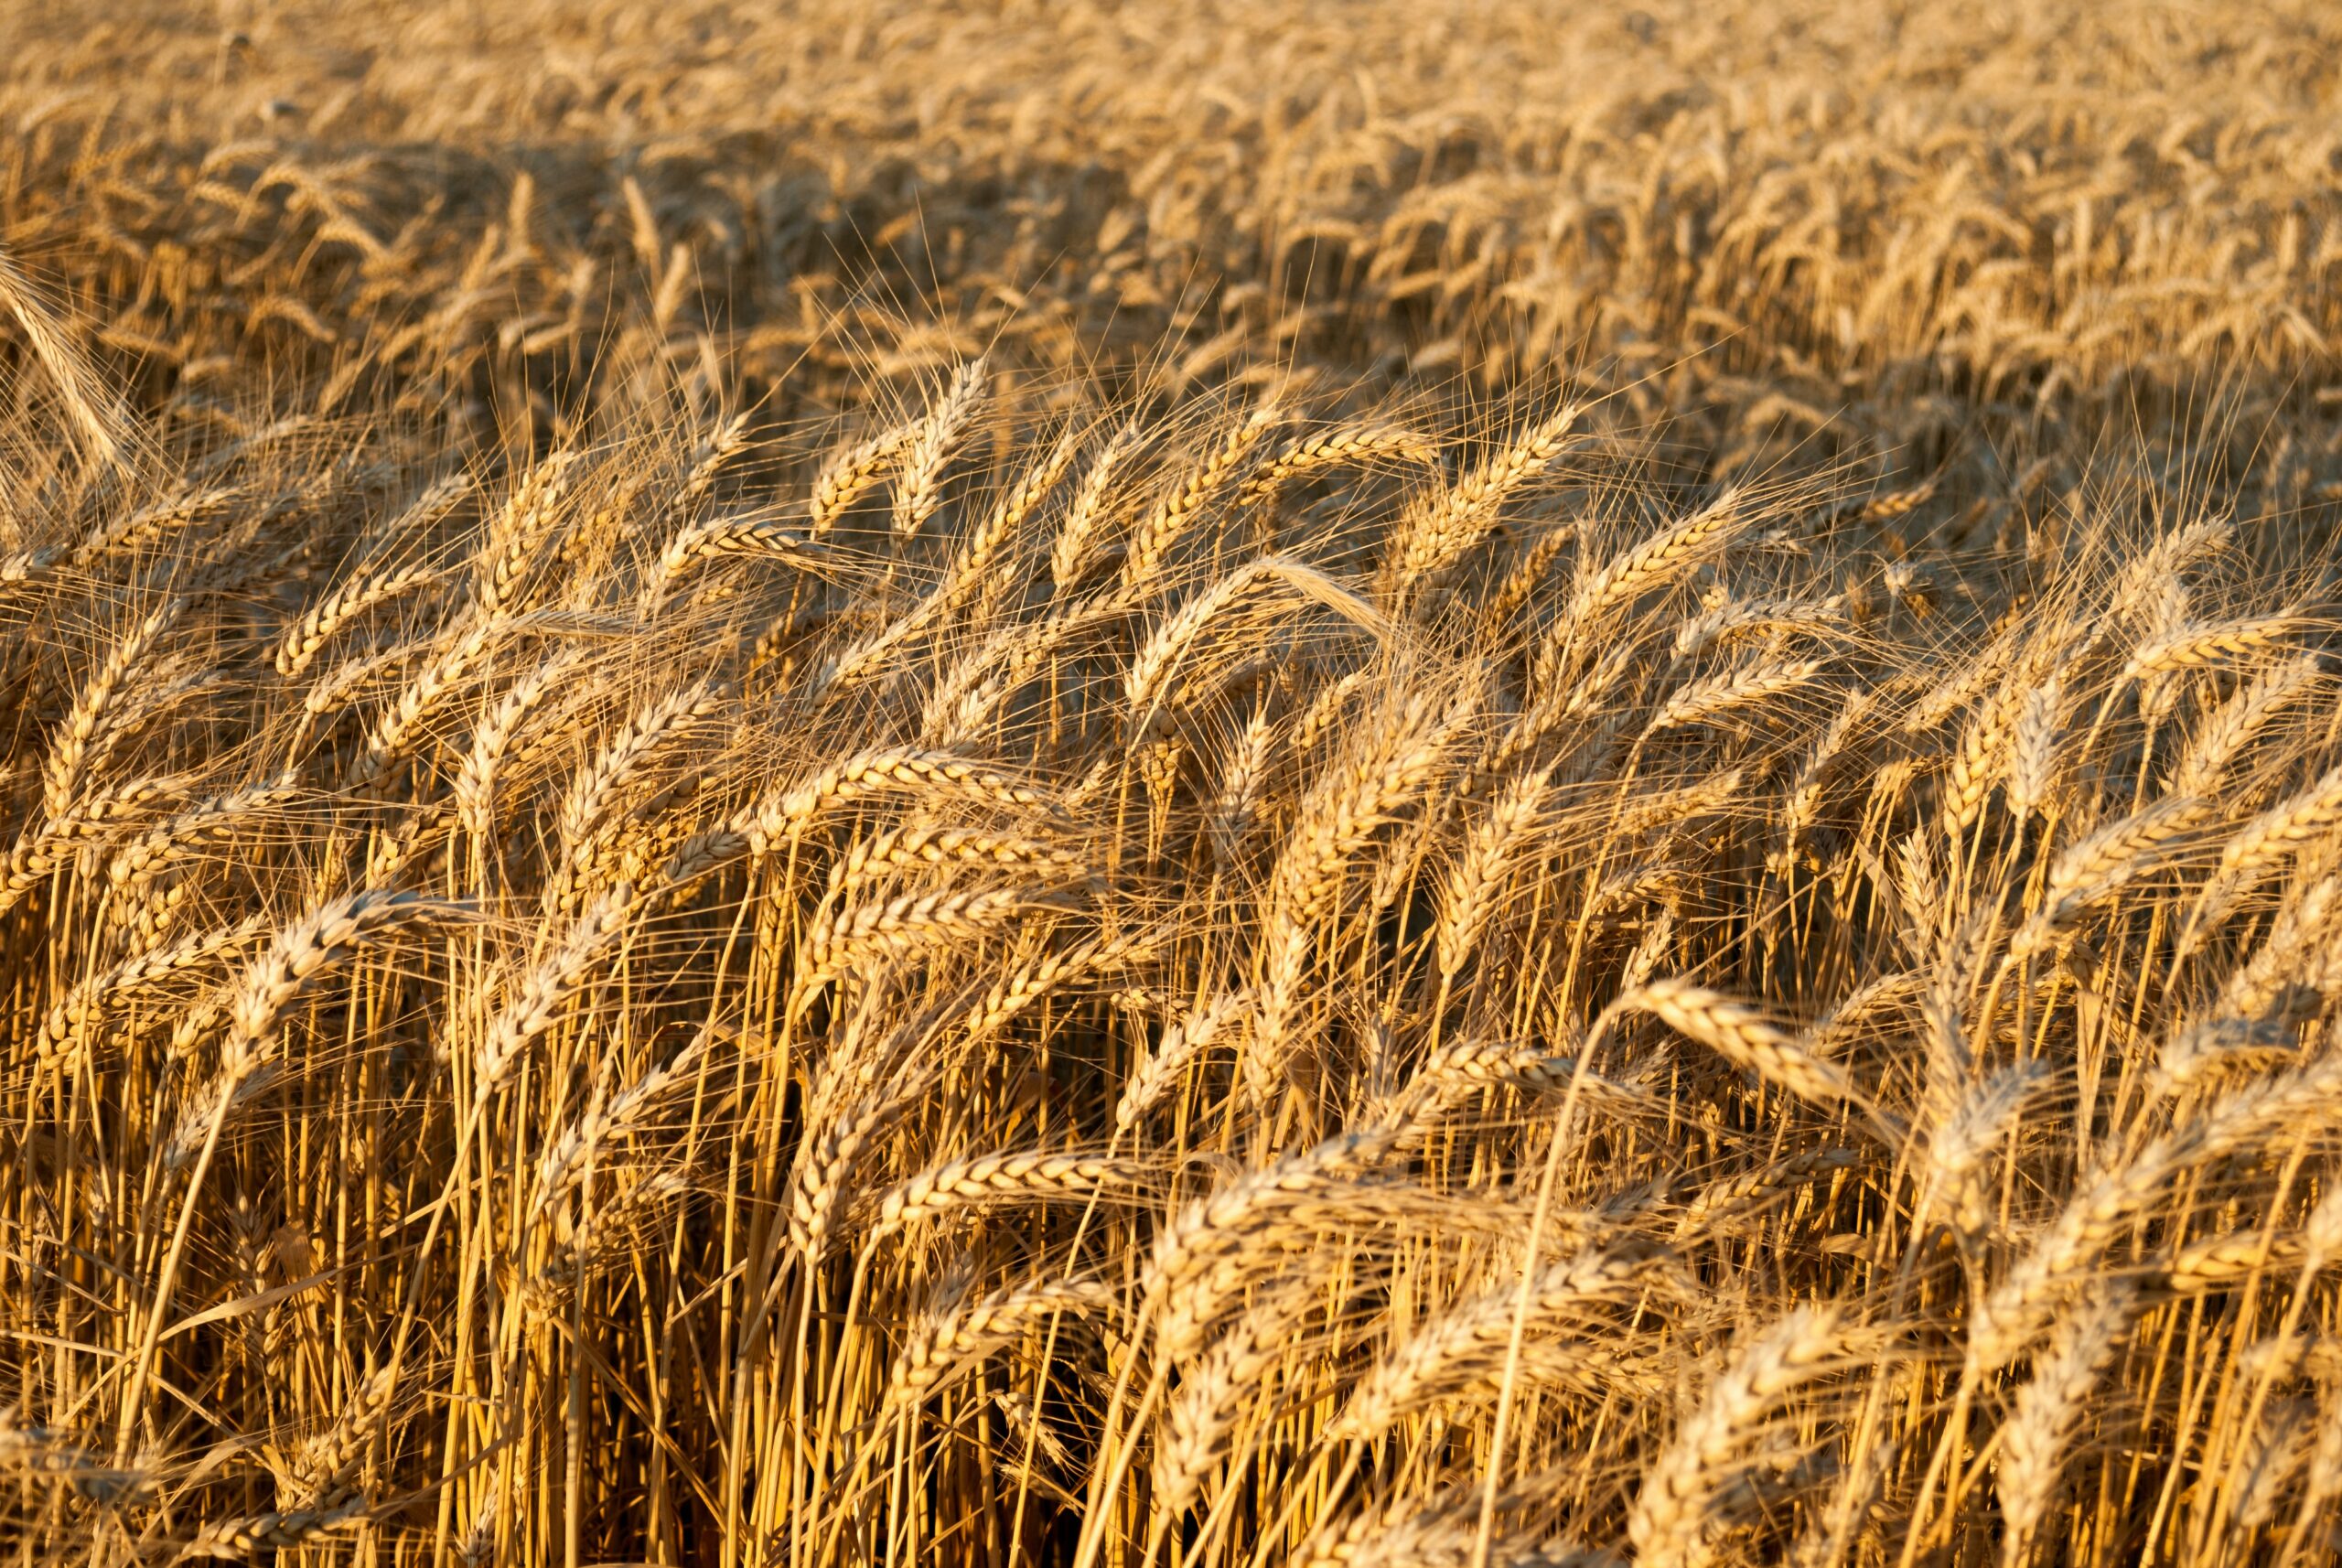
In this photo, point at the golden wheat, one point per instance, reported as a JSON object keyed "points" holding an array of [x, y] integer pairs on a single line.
{"points": [[1188, 788]]}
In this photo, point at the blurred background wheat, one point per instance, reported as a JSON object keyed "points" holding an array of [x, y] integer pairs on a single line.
{"points": [[1205, 787]]}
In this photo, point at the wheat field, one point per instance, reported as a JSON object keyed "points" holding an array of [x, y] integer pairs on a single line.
{"points": [[1449, 785]]}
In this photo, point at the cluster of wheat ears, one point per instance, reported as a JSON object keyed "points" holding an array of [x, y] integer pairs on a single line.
{"points": [[932, 784]]}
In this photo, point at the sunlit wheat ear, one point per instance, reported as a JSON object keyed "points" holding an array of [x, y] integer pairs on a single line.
{"points": [[517, 534], [23, 573], [2140, 577], [538, 992], [2012, 1314], [967, 701], [1525, 581], [1732, 621], [722, 447], [308, 636], [1356, 799], [2272, 1457], [900, 848], [1162, 526], [1236, 806], [98, 818], [1675, 808], [968, 575], [1469, 1343], [851, 475], [2208, 1052], [497, 734], [1829, 759], [2230, 729], [1449, 1078], [1171, 640], [67, 1028], [1029, 1175], [1091, 508], [949, 1345], [341, 685], [85, 721], [396, 730], [1344, 444], [919, 487], [476, 1546], [1157, 1072], [1445, 1534], [242, 1537], [718, 538], [562, 1166], [909, 925], [2194, 646], [1214, 1388], [1435, 532], [212, 822], [1551, 715], [1682, 1497], [2051, 1408], [2306, 919], [1943, 692], [304, 948], [852, 1104], [1328, 710], [273, 983], [596, 790], [1601, 592], [1711, 700], [1959, 1146], [1055, 971], [2104, 862], [1477, 883], [2033, 748], [1744, 1037], [1986, 748], [2216, 1262], [1204, 1257], [1015, 507], [98, 419], [787, 812], [2305, 818], [328, 1460]]}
